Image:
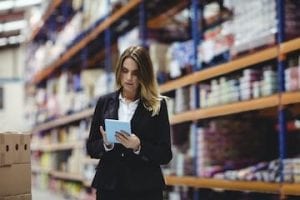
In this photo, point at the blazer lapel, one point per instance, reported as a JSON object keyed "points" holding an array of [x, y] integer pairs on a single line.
{"points": [[139, 116], [111, 111]]}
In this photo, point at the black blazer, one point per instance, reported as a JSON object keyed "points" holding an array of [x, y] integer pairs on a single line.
{"points": [[120, 168]]}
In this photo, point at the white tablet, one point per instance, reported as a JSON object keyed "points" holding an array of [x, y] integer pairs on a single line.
{"points": [[112, 126]]}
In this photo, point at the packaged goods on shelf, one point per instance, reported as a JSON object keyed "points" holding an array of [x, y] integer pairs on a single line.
{"points": [[212, 194], [171, 106], [89, 77], [69, 33], [253, 26], [292, 74], [214, 44], [181, 56], [264, 171], [292, 19], [183, 153], [179, 193], [94, 10], [252, 83], [89, 172], [50, 51], [129, 39], [223, 145], [47, 161], [182, 99], [35, 15], [74, 162], [107, 80], [181, 164], [71, 93], [158, 54]]}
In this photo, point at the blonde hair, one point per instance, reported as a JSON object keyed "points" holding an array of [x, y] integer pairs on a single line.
{"points": [[148, 85]]}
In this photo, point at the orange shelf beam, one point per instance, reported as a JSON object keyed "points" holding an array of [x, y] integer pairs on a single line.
{"points": [[223, 184], [290, 98], [291, 189], [57, 146], [64, 120], [290, 46], [67, 176]]}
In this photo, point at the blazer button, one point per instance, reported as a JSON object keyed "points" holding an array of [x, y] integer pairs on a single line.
{"points": [[122, 154]]}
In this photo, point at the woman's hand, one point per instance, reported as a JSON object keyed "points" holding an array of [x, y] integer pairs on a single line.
{"points": [[104, 137], [130, 141]]}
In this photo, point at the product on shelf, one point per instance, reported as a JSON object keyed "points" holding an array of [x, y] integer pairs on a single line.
{"points": [[223, 145]]}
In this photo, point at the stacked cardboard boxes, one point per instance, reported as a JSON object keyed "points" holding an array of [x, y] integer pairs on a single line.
{"points": [[15, 168]]}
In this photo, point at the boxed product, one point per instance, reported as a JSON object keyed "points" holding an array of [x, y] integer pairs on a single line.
{"points": [[22, 148], [15, 180], [6, 149], [17, 197], [14, 148]]}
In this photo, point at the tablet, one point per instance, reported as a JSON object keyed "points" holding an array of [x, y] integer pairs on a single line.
{"points": [[112, 126]]}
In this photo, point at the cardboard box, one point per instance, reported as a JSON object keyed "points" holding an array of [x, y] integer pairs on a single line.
{"points": [[26, 197], [17, 197], [15, 148], [6, 149], [15, 180], [21, 148]]}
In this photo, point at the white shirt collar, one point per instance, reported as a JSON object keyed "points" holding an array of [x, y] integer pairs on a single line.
{"points": [[121, 98]]}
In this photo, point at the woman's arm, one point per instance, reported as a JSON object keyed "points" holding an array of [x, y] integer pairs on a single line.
{"points": [[94, 145], [159, 152]]}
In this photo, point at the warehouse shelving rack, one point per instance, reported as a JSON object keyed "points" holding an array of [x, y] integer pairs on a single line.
{"points": [[276, 101]]}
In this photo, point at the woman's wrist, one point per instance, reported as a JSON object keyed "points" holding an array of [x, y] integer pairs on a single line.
{"points": [[137, 149]]}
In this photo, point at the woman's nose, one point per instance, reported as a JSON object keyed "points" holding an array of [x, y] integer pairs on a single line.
{"points": [[129, 76]]}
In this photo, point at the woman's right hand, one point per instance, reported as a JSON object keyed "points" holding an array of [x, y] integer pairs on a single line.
{"points": [[104, 137]]}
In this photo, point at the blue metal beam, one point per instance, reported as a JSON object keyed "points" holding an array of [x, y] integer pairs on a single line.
{"points": [[280, 73], [107, 42], [143, 24]]}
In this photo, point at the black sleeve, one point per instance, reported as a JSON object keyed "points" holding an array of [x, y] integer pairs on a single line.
{"points": [[94, 143], [159, 152]]}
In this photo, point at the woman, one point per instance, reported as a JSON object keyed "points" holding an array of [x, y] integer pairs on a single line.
{"points": [[131, 169]]}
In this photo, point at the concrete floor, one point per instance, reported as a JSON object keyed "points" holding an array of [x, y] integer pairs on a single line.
{"points": [[38, 194]]}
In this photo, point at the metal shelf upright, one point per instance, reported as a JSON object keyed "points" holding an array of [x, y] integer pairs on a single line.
{"points": [[143, 24], [280, 73], [196, 11]]}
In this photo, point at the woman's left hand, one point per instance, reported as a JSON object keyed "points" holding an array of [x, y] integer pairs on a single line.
{"points": [[130, 141]]}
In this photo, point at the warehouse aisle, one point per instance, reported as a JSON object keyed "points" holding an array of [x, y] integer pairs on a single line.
{"points": [[45, 195]]}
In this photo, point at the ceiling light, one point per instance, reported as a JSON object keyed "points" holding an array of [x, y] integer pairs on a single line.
{"points": [[6, 5], [14, 25], [25, 3], [3, 41], [13, 39]]}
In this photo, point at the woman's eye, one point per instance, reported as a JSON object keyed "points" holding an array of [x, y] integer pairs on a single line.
{"points": [[135, 73]]}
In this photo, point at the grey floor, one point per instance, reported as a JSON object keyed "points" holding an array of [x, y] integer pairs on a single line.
{"points": [[38, 194]]}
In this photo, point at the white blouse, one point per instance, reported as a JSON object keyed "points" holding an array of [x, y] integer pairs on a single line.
{"points": [[126, 109]]}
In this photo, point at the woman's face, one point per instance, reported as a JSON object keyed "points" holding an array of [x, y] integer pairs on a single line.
{"points": [[129, 76]]}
